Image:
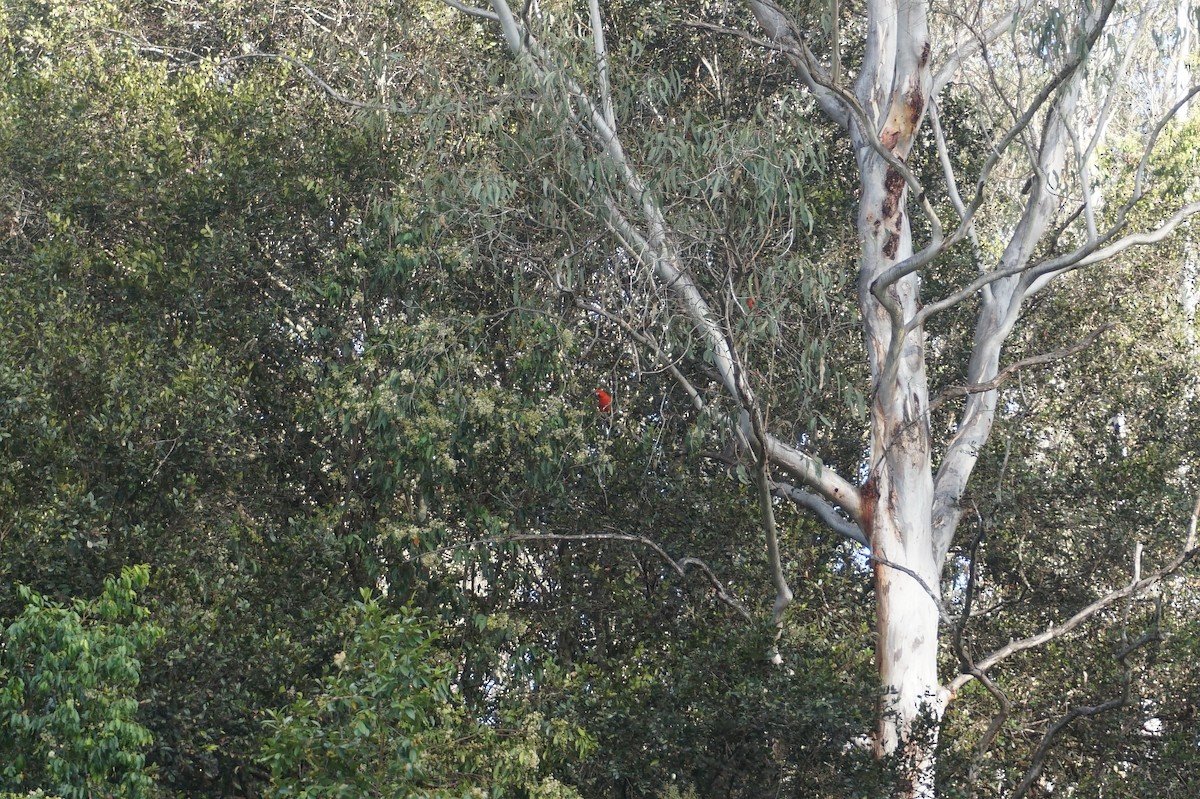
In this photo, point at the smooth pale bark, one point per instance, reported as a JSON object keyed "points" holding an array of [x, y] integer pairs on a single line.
{"points": [[892, 91]]}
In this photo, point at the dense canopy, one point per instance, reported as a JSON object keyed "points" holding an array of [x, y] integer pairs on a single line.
{"points": [[599, 399]]}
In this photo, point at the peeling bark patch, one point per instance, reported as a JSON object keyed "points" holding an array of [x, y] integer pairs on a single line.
{"points": [[893, 184], [916, 106], [891, 245], [924, 60], [868, 496]]}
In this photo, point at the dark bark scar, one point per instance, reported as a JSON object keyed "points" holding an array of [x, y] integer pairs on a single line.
{"points": [[891, 245], [893, 185], [916, 106], [868, 496]]}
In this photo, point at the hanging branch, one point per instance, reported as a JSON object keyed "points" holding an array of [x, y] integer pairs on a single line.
{"points": [[680, 566]]}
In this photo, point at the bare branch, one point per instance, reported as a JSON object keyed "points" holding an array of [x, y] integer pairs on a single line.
{"points": [[680, 566], [1003, 703], [606, 102], [1054, 631], [473, 11], [783, 592], [314, 77], [1009, 371], [824, 511], [780, 27], [1038, 761], [1099, 248], [944, 616], [1041, 275], [814, 474], [970, 43], [956, 200]]}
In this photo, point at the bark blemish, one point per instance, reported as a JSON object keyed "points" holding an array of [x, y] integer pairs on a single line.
{"points": [[893, 187], [924, 60], [916, 106], [868, 496], [891, 245], [893, 184]]}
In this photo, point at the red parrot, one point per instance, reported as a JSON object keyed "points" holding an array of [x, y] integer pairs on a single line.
{"points": [[604, 400]]}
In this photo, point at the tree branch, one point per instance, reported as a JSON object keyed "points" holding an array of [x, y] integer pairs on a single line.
{"points": [[473, 11], [680, 566], [944, 616], [606, 103], [824, 511], [969, 44], [1010, 370], [654, 248], [1003, 703], [1133, 588], [1038, 761]]}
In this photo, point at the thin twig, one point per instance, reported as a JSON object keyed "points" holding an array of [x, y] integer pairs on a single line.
{"points": [[1009, 371], [1133, 588], [680, 566]]}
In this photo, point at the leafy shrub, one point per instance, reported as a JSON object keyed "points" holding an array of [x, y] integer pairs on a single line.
{"points": [[386, 722], [67, 706]]}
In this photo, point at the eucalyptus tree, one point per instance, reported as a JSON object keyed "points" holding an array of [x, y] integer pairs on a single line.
{"points": [[954, 238]]}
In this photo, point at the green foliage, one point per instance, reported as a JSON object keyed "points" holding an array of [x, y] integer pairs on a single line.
{"points": [[68, 693], [387, 721], [283, 348]]}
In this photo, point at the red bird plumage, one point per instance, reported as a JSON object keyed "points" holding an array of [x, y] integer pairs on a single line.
{"points": [[603, 399]]}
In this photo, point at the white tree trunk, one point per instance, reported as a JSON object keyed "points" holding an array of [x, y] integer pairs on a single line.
{"points": [[892, 90]]}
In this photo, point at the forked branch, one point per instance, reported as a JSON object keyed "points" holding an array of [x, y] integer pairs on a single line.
{"points": [[1133, 588], [1010, 370]]}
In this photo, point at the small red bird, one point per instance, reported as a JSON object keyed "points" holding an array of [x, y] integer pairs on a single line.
{"points": [[750, 304], [604, 400]]}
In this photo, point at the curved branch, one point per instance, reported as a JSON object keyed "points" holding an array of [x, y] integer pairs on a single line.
{"points": [[1133, 588], [1040, 275], [971, 43], [473, 11], [1039, 754], [1009, 371], [780, 28], [824, 511], [811, 472], [680, 566]]}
